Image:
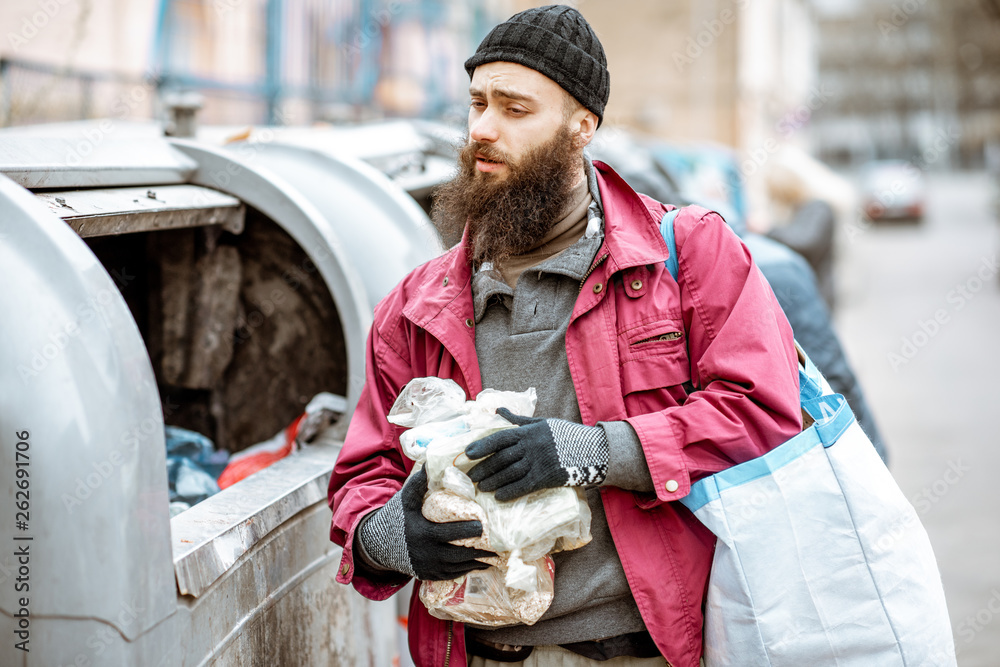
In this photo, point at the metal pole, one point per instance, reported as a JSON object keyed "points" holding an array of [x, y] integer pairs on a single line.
{"points": [[272, 82], [159, 58], [86, 96], [5, 92]]}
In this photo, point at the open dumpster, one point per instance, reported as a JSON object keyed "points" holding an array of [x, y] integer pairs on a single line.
{"points": [[146, 282]]}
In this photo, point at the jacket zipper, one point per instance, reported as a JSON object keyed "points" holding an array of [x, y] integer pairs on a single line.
{"points": [[591, 270], [673, 335], [447, 650]]}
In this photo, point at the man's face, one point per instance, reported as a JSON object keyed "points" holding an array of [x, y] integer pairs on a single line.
{"points": [[514, 109], [517, 171]]}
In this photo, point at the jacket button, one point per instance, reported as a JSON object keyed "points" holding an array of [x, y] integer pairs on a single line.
{"points": [[469, 322], [597, 288], [345, 569], [636, 285], [444, 283], [671, 485]]}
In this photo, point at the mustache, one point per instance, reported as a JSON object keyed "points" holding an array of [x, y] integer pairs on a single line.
{"points": [[488, 151]]}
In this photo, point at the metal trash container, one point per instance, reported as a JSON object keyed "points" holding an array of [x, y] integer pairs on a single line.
{"points": [[146, 280]]}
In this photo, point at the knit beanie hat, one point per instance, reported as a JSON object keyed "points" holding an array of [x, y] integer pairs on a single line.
{"points": [[558, 42]]}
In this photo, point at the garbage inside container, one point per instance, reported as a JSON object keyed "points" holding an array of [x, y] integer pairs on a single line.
{"points": [[193, 464], [322, 411]]}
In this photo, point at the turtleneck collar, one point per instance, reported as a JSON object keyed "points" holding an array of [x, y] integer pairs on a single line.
{"points": [[564, 233]]}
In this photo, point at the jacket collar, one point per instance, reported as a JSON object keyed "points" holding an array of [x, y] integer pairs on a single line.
{"points": [[446, 284], [631, 228]]}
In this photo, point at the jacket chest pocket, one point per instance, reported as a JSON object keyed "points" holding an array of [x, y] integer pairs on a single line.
{"points": [[655, 367]]}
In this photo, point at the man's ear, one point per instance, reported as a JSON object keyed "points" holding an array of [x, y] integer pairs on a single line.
{"points": [[585, 125]]}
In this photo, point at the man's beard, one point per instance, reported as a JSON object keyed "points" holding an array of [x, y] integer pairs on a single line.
{"points": [[510, 215]]}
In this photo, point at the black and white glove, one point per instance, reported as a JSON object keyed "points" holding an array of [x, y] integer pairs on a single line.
{"points": [[539, 454], [398, 537]]}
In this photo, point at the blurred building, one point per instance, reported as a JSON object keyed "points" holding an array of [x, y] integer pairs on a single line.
{"points": [[322, 60], [736, 72], [73, 59], [910, 79], [728, 71], [254, 61]]}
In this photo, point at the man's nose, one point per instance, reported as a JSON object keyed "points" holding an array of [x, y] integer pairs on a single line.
{"points": [[484, 128]]}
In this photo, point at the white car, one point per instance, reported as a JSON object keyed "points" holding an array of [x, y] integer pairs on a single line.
{"points": [[892, 189]]}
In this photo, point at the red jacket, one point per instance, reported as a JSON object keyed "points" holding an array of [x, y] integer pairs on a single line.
{"points": [[723, 392]]}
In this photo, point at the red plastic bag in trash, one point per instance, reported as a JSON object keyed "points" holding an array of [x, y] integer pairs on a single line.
{"points": [[259, 456], [321, 411]]}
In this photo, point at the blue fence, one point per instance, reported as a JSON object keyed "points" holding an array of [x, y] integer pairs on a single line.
{"points": [[299, 61]]}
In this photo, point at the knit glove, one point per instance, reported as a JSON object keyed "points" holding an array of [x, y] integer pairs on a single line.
{"points": [[539, 454], [398, 537]]}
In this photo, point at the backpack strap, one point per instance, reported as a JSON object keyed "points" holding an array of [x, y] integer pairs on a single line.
{"points": [[667, 232]]}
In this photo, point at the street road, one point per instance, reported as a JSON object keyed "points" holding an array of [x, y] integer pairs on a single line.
{"points": [[919, 315]]}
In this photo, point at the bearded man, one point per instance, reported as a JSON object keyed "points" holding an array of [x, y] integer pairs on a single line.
{"points": [[645, 383]]}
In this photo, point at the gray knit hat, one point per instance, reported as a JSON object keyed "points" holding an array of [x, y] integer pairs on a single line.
{"points": [[558, 42]]}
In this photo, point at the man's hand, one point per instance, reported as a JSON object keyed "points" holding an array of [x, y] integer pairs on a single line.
{"points": [[539, 454], [398, 537]]}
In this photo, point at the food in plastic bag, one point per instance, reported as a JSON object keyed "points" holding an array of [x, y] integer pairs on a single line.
{"points": [[434, 410], [519, 586], [481, 597], [539, 523], [484, 597], [444, 506]]}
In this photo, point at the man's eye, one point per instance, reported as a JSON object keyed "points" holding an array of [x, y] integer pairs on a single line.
{"points": [[477, 104], [517, 111]]}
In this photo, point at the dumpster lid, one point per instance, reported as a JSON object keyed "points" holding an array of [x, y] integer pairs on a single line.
{"points": [[111, 211], [88, 155]]}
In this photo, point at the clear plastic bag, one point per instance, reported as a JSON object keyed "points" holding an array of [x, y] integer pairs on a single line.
{"points": [[482, 598], [426, 400], [518, 587], [436, 410], [539, 523]]}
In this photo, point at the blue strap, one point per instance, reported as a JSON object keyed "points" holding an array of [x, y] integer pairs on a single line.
{"points": [[809, 387], [833, 416], [667, 232]]}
